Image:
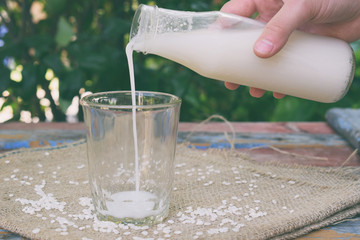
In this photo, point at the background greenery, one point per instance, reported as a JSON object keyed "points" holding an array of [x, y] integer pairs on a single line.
{"points": [[80, 44]]}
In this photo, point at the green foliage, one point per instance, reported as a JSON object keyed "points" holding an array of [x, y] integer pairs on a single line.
{"points": [[83, 44], [64, 33]]}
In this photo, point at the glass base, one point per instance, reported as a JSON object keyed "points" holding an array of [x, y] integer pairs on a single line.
{"points": [[149, 220]]}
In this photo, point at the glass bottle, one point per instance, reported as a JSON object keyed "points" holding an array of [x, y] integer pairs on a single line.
{"points": [[218, 45]]}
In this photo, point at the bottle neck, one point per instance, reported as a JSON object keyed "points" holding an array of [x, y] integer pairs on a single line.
{"points": [[144, 25]]}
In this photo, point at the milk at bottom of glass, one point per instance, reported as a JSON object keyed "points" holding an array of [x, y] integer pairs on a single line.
{"points": [[132, 204]]}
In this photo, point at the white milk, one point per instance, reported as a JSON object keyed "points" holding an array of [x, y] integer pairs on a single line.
{"points": [[129, 53], [310, 67], [131, 204]]}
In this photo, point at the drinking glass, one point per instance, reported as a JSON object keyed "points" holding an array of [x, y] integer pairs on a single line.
{"points": [[131, 150]]}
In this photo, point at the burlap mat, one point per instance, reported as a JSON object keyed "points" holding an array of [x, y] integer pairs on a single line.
{"points": [[218, 194]]}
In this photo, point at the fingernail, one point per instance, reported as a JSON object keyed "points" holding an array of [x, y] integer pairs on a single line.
{"points": [[264, 46]]}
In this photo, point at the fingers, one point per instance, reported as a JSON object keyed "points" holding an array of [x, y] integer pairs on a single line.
{"points": [[243, 8], [293, 14], [231, 86], [278, 95], [256, 92]]}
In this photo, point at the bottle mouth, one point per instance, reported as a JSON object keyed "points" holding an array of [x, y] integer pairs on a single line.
{"points": [[143, 20]]}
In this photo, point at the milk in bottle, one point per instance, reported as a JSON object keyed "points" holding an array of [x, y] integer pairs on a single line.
{"points": [[220, 46]]}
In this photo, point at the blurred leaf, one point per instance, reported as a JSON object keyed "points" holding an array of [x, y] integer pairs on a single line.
{"points": [[29, 81], [295, 109], [92, 61], [42, 43], [4, 78], [199, 6], [55, 6], [70, 84], [64, 32], [116, 28], [53, 62], [12, 49], [64, 104]]}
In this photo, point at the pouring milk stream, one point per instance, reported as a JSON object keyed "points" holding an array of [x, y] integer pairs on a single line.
{"points": [[135, 204], [219, 46]]}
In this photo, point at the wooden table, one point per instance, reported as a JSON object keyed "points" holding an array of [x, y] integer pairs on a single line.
{"points": [[282, 142]]}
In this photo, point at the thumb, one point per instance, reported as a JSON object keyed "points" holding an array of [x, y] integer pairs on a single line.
{"points": [[278, 30]]}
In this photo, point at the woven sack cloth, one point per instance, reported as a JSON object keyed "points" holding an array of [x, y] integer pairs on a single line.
{"points": [[218, 194]]}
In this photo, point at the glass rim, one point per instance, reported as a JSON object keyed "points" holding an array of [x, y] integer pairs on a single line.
{"points": [[86, 100]]}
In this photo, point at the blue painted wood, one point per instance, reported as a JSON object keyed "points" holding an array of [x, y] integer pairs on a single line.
{"points": [[6, 235], [347, 123], [205, 140], [351, 226], [14, 139]]}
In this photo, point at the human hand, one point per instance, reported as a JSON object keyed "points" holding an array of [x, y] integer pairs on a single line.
{"points": [[334, 18]]}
